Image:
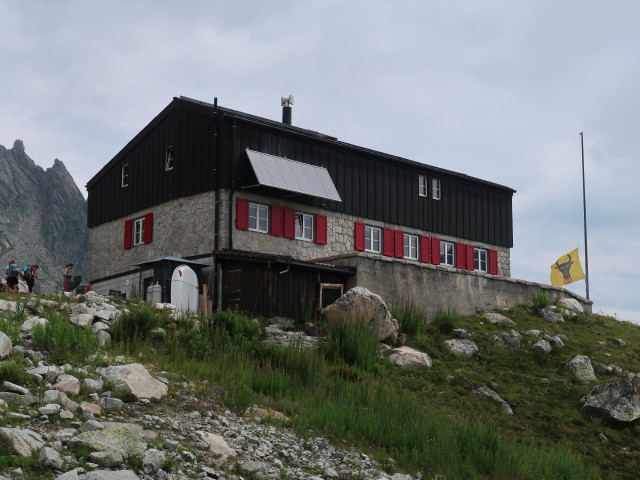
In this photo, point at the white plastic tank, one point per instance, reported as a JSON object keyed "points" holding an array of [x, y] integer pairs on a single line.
{"points": [[185, 289], [156, 293]]}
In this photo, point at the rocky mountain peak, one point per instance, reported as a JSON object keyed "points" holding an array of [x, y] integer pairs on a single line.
{"points": [[43, 216]]}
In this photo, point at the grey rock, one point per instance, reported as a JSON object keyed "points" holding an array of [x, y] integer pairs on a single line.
{"points": [[22, 400], [506, 341], [134, 379], [581, 369], [571, 304], [119, 439], [12, 387], [619, 341], [6, 346], [497, 318], [110, 475], [50, 458], [50, 409], [67, 384], [153, 460], [107, 459], [462, 348], [93, 385], [542, 346], [22, 442], [551, 315], [31, 322], [616, 401], [82, 320], [109, 403], [91, 426], [66, 434], [408, 358], [484, 390]]}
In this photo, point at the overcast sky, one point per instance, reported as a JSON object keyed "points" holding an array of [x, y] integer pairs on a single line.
{"points": [[495, 89]]}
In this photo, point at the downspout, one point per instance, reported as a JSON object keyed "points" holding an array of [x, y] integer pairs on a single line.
{"points": [[232, 185], [216, 211]]}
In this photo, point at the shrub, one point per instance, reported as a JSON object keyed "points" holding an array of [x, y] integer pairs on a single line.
{"points": [[446, 320], [11, 329], [351, 343], [410, 318], [64, 341], [539, 300], [13, 371], [137, 323]]}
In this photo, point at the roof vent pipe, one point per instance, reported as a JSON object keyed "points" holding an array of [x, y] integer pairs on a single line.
{"points": [[286, 103]]}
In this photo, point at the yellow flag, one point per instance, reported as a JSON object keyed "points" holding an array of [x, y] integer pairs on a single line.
{"points": [[567, 269]]}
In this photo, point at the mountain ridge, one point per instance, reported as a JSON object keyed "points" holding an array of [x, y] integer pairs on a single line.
{"points": [[43, 216]]}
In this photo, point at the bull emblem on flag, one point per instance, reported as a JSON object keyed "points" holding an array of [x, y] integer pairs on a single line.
{"points": [[565, 269]]}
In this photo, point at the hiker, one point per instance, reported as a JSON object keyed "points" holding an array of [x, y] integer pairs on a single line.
{"points": [[30, 274], [13, 273], [67, 276]]}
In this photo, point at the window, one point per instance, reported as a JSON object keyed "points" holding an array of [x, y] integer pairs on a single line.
{"points": [[410, 246], [124, 175], [371, 239], [258, 218], [422, 185], [138, 231], [480, 259], [168, 158], [304, 227], [435, 189], [446, 253]]}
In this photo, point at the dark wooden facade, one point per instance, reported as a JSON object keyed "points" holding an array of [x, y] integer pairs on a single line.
{"points": [[209, 148]]}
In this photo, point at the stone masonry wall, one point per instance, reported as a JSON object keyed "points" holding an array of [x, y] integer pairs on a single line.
{"points": [[182, 227], [340, 236]]}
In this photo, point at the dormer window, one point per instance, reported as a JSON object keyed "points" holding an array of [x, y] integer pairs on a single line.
{"points": [[124, 175], [168, 158], [436, 189]]}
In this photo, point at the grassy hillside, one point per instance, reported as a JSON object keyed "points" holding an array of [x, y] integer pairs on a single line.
{"points": [[432, 421]]}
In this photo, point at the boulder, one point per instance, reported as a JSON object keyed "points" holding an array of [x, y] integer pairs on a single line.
{"points": [[406, 357], [581, 369], [68, 384], [217, 445], [616, 401], [21, 442], [571, 304], [118, 440], [550, 314], [359, 304], [50, 458], [153, 460], [30, 323], [497, 318], [486, 391], [6, 346], [462, 348], [542, 347], [111, 475], [506, 341], [134, 379]]}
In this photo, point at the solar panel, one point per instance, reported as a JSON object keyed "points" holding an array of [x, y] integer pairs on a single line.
{"points": [[292, 176]]}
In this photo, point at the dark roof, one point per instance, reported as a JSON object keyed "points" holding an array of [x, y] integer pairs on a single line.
{"points": [[243, 255], [228, 112], [169, 260]]}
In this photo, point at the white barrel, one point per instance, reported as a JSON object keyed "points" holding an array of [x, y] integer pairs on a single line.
{"points": [[156, 293]]}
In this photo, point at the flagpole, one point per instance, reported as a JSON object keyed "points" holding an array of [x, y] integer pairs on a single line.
{"points": [[584, 206]]}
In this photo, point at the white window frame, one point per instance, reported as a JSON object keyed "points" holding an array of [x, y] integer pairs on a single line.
{"points": [[447, 254], [436, 189], [138, 231], [410, 246], [480, 260], [304, 226], [423, 183], [372, 239], [258, 218], [124, 175], [168, 158]]}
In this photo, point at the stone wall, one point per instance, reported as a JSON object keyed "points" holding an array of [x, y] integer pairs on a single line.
{"points": [[340, 236], [435, 288], [183, 227]]}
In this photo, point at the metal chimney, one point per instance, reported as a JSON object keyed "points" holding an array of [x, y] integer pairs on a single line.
{"points": [[286, 103]]}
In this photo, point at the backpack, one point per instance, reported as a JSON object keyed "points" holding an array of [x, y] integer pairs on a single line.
{"points": [[26, 272], [13, 271]]}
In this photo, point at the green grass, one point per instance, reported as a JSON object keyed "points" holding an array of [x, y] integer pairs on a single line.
{"points": [[65, 342], [429, 421]]}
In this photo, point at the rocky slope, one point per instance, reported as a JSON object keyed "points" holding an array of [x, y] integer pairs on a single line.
{"points": [[42, 216]]}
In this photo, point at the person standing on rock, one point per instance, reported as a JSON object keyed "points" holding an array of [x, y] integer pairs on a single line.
{"points": [[30, 276], [67, 276], [13, 276]]}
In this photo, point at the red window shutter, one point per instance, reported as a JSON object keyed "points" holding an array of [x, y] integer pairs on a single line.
{"points": [[387, 242], [277, 221], [461, 256], [128, 234], [435, 251], [289, 223], [148, 228], [470, 258], [242, 214], [493, 262], [321, 229], [359, 236], [398, 241], [425, 249]]}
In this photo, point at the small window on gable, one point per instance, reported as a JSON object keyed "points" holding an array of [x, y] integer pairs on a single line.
{"points": [[168, 158], [304, 227], [124, 175], [447, 255], [371, 239], [435, 189], [480, 259], [258, 218], [422, 185], [410, 246], [138, 231]]}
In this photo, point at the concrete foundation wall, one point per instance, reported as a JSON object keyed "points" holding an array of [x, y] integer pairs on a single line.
{"points": [[435, 288]]}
